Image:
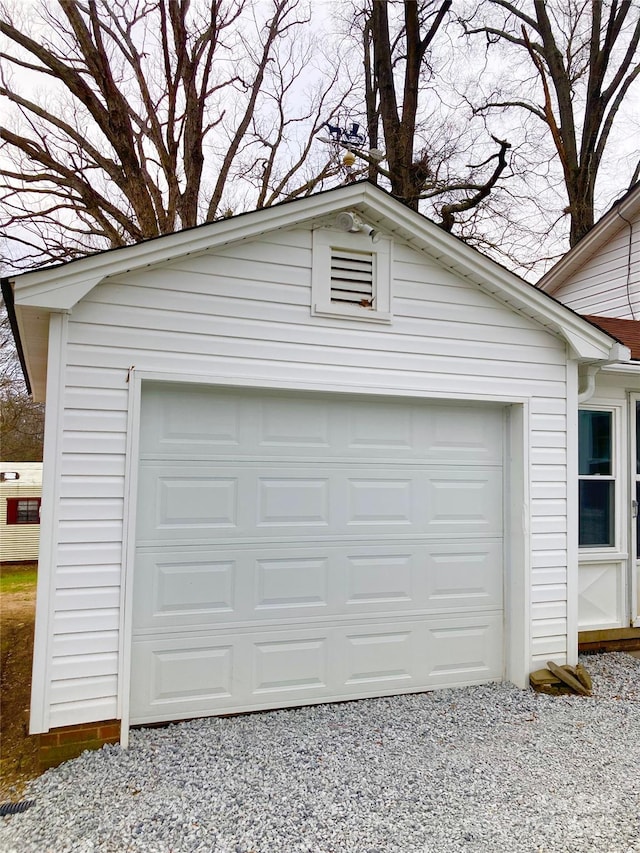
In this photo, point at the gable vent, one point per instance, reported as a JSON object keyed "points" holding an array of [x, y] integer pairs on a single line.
{"points": [[352, 278]]}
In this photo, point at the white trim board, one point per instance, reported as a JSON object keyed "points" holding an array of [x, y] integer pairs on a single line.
{"points": [[517, 579]]}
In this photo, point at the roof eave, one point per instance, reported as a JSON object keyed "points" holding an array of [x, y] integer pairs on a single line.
{"points": [[7, 295], [603, 230], [586, 341], [60, 288]]}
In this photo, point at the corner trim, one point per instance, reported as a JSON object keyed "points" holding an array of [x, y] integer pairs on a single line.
{"points": [[47, 561]]}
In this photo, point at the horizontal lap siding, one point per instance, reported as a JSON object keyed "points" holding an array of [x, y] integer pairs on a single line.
{"points": [[602, 284], [245, 313], [548, 460], [19, 542]]}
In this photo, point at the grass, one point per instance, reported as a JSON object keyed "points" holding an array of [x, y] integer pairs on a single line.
{"points": [[19, 754], [18, 577]]}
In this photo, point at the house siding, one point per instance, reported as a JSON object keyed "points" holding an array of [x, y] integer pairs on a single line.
{"points": [[19, 542], [608, 283], [606, 599], [243, 314]]}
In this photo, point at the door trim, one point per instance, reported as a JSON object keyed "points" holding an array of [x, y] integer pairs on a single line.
{"points": [[633, 562], [516, 497]]}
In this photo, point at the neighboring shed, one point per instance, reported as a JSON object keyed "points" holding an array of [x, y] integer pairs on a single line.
{"points": [[20, 495], [290, 460]]}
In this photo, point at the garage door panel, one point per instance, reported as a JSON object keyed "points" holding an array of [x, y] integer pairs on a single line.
{"points": [[461, 651], [237, 422], [284, 502], [288, 583], [450, 433], [387, 501], [196, 501], [203, 503], [375, 580], [464, 501], [183, 671], [463, 435], [464, 574], [174, 589], [385, 429], [303, 424], [185, 678], [185, 503], [298, 548], [214, 424], [286, 665], [381, 656], [201, 589]]}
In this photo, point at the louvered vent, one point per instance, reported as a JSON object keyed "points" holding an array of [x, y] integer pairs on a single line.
{"points": [[352, 278]]}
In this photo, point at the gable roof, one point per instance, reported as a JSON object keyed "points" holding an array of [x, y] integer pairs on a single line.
{"points": [[626, 331], [39, 293], [619, 215]]}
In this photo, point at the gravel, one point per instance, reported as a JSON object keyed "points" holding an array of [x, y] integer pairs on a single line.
{"points": [[484, 769]]}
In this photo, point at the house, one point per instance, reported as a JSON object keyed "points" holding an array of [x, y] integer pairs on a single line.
{"points": [[600, 279], [20, 495], [317, 452]]}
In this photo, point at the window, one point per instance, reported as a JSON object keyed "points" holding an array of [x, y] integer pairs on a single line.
{"points": [[23, 510], [596, 479], [351, 276]]}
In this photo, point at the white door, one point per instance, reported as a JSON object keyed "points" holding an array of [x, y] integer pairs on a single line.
{"points": [[300, 548]]}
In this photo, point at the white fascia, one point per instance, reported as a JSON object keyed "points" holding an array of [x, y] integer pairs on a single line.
{"points": [[63, 286]]}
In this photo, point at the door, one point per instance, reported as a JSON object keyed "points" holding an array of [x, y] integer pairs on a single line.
{"points": [[634, 584], [299, 548]]}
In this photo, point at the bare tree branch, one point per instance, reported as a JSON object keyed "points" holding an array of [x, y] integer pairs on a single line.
{"points": [[396, 94], [585, 57], [143, 102]]}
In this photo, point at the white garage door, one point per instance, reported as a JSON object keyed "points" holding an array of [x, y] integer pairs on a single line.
{"points": [[305, 548]]}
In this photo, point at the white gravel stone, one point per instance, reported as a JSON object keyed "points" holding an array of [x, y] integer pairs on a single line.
{"points": [[470, 770]]}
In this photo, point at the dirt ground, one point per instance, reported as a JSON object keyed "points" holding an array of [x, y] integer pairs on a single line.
{"points": [[18, 751]]}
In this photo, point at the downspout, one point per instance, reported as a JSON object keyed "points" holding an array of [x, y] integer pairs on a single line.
{"points": [[586, 391], [587, 384]]}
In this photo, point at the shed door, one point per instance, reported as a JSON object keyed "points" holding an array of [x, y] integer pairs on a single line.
{"points": [[294, 549]]}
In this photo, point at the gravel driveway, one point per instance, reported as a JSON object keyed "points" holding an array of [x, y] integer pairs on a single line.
{"points": [[484, 769]]}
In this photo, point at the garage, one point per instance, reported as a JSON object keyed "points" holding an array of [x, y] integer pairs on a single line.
{"points": [[258, 495], [295, 548]]}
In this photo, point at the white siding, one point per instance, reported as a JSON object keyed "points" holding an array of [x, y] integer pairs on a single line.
{"points": [[244, 314], [605, 573], [608, 284], [19, 542]]}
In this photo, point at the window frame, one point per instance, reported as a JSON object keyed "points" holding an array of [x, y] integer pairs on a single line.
{"points": [[613, 477], [325, 241], [13, 510]]}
